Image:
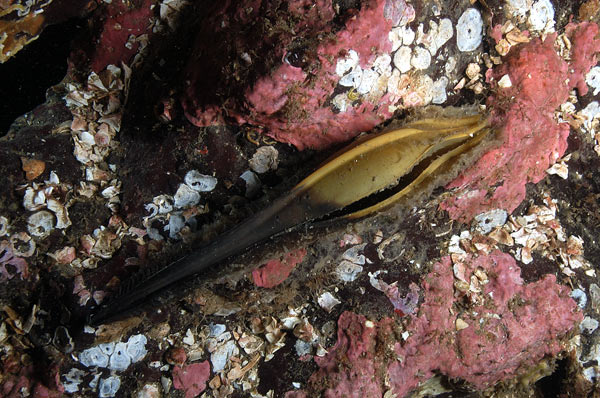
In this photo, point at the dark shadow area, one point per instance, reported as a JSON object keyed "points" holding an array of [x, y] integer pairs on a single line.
{"points": [[552, 385], [41, 64]]}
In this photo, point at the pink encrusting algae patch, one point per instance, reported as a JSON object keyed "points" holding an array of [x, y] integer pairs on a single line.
{"points": [[191, 378], [121, 24], [291, 99], [276, 271], [508, 327], [531, 139], [8, 258]]}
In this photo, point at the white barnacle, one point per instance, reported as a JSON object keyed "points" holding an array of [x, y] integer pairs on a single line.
{"points": [[107, 348], [402, 59], [40, 224], [469, 30], [93, 357], [382, 64], [61, 213], [108, 387], [485, 222], [120, 359], [421, 58], [136, 347]]}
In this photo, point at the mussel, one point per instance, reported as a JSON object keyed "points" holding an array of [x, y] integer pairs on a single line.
{"points": [[367, 176]]}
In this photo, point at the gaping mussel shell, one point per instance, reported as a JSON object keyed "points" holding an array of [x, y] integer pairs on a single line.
{"points": [[349, 185]]}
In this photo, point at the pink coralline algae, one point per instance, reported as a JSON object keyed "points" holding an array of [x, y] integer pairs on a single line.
{"points": [[292, 68], [191, 378], [531, 140], [511, 326], [276, 271], [7, 257], [122, 23], [18, 379]]}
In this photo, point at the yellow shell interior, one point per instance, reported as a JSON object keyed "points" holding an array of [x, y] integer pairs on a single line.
{"points": [[378, 162]]}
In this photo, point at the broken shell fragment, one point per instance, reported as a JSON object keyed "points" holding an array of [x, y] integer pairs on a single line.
{"points": [[347, 271], [327, 301], [3, 226], [264, 159], [200, 182], [186, 197]]}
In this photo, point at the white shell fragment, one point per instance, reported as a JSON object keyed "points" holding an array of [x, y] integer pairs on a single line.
{"points": [[593, 79], [327, 301], [3, 226], [579, 296], [221, 355], [34, 200], [347, 271], [352, 79], [518, 8], [40, 224], [61, 212], [541, 17], [346, 64], [560, 169], [341, 102], [369, 77], [252, 183], [264, 159], [186, 197], [485, 222], [588, 325], [72, 380], [109, 387], [200, 182], [176, 224], [439, 95], [505, 82], [469, 30]]}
